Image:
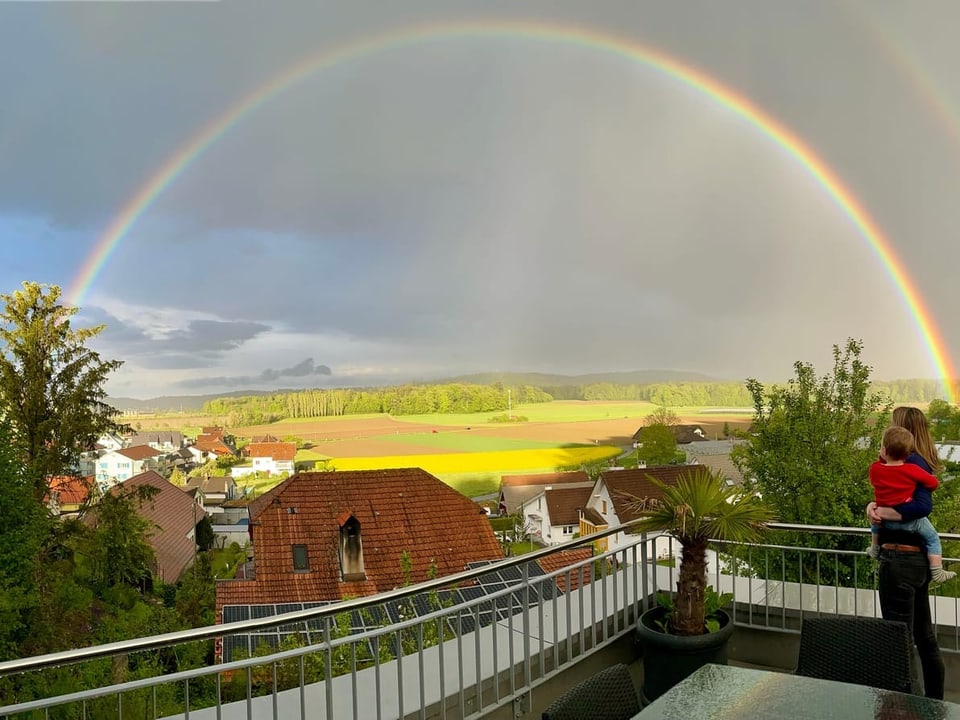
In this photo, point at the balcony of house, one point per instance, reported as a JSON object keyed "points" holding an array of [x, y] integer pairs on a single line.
{"points": [[497, 641]]}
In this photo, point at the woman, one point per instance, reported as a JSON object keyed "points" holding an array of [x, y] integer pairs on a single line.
{"points": [[904, 571]]}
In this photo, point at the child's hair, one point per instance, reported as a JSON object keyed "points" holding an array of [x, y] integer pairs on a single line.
{"points": [[915, 421], [897, 442]]}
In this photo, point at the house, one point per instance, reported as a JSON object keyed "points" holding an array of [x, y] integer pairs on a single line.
{"points": [[613, 492], [264, 439], [683, 433], [270, 457], [174, 515], [715, 454], [553, 516], [326, 536], [69, 493], [211, 446], [120, 465], [516, 490], [110, 441], [214, 490], [181, 459], [167, 441]]}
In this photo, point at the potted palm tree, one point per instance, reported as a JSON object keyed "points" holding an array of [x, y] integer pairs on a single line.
{"points": [[685, 631]]}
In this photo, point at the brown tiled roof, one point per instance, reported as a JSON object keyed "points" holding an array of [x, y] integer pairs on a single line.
{"points": [[174, 514], [594, 518], [139, 452], [263, 439], [214, 431], [398, 510], [564, 504], [557, 561], [622, 484], [213, 484], [274, 450], [683, 433]]}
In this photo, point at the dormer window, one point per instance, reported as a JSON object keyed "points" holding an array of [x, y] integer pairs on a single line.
{"points": [[351, 549]]}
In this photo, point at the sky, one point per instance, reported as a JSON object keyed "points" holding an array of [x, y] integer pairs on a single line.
{"points": [[447, 202]]}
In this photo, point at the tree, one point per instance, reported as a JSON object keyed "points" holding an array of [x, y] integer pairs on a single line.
{"points": [[813, 440], [662, 416], [658, 446], [118, 549], [205, 534], [51, 383], [24, 527], [699, 507]]}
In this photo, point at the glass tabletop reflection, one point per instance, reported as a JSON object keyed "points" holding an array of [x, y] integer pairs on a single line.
{"points": [[723, 692]]}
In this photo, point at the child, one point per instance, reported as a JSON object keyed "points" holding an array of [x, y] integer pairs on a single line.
{"points": [[895, 484]]}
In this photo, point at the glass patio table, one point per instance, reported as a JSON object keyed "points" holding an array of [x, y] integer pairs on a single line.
{"points": [[723, 692]]}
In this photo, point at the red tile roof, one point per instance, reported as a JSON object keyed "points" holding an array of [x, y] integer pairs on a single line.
{"points": [[139, 452], [274, 450], [627, 484], [174, 515], [400, 510], [71, 489], [564, 504], [578, 577], [210, 443]]}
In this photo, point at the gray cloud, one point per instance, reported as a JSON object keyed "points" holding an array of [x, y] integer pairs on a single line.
{"points": [[490, 202]]}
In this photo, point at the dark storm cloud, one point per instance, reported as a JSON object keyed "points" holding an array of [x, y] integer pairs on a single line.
{"points": [[211, 336], [303, 369], [482, 202]]}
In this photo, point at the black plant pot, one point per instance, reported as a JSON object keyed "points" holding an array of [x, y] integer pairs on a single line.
{"points": [[668, 659]]}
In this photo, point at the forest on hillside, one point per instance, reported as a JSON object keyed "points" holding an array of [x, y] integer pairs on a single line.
{"points": [[473, 398]]}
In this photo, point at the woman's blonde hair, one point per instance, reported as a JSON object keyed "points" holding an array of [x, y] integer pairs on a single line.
{"points": [[915, 421]]}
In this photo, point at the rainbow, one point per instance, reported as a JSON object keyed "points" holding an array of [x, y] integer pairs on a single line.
{"points": [[527, 30]]}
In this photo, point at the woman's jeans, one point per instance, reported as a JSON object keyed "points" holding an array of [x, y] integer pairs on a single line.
{"points": [[904, 577]]}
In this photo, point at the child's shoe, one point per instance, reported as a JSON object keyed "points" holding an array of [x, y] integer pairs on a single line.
{"points": [[873, 552], [938, 576]]}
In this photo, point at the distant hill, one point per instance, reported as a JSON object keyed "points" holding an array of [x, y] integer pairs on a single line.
{"points": [[194, 403], [632, 377], [179, 403]]}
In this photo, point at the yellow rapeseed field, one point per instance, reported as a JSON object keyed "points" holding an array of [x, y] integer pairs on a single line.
{"points": [[503, 461]]}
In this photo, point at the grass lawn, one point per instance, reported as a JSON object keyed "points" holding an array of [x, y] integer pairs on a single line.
{"points": [[225, 562], [522, 548]]}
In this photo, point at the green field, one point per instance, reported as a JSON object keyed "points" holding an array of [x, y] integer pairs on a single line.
{"points": [[557, 411], [467, 442]]}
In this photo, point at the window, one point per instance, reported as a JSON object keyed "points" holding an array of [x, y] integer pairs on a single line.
{"points": [[568, 529], [603, 507], [301, 563]]}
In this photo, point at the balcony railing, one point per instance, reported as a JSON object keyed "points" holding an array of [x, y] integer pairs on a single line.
{"points": [[461, 646]]}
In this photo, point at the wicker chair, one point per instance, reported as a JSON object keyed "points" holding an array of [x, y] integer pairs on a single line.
{"points": [[857, 650], [608, 695]]}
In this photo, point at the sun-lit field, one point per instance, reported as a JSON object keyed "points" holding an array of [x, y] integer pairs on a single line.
{"points": [[505, 461], [469, 452]]}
